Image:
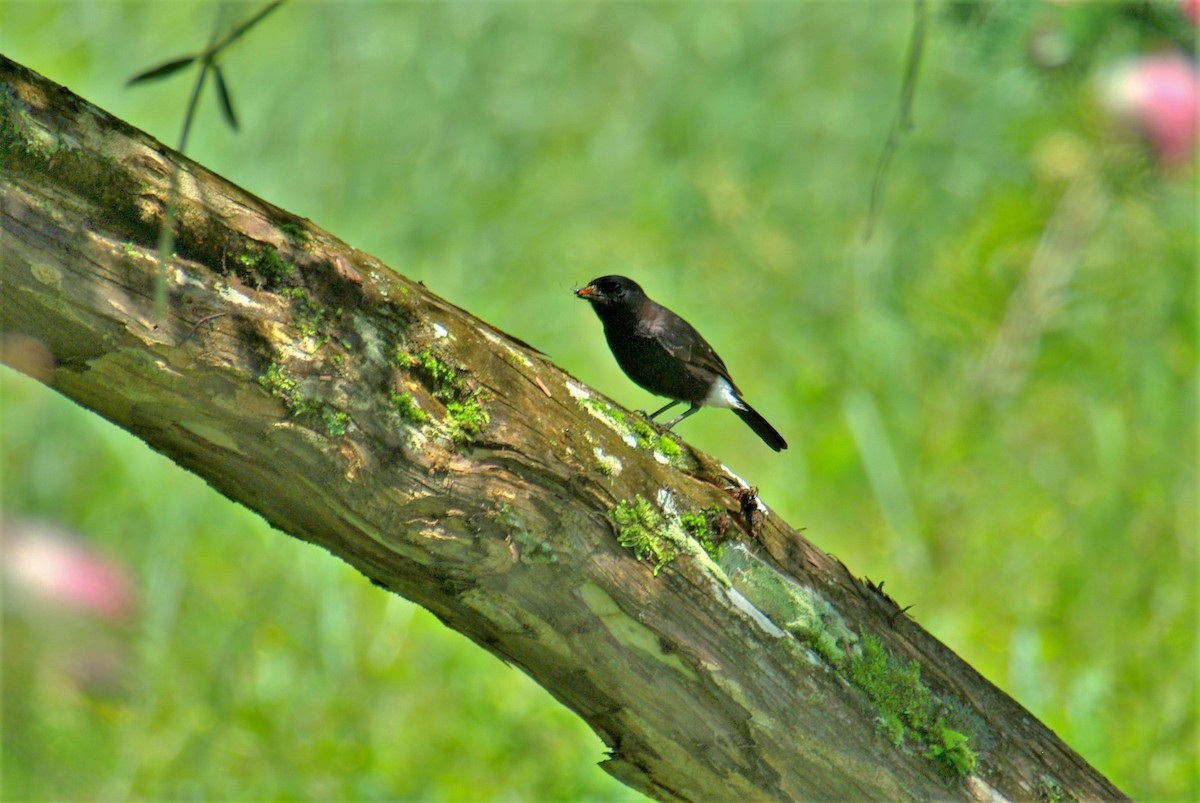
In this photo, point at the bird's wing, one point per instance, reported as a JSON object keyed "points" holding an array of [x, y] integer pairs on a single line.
{"points": [[681, 340]]}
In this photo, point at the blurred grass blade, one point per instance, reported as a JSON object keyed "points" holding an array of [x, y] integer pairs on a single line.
{"points": [[223, 96], [161, 71], [885, 474]]}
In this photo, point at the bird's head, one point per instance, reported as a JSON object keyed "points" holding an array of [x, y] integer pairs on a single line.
{"points": [[612, 291]]}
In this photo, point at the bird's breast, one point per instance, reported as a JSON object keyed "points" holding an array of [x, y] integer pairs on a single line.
{"points": [[646, 361]]}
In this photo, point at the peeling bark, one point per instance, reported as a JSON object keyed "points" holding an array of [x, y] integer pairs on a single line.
{"points": [[454, 465]]}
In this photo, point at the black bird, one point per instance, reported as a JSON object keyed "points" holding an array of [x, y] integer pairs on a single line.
{"points": [[662, 353]]}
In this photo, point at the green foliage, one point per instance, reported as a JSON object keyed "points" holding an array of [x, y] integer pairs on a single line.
{"points": [[1039, 513], [242, 639], [641, 528]]}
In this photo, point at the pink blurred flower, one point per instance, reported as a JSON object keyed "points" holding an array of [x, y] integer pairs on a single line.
{"points": [[1191, 10], [1158, 95], [50, 565]]}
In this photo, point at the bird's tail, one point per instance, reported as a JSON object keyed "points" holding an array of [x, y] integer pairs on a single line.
{"points": [[761, 428]]}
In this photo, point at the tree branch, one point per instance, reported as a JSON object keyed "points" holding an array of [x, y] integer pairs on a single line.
{"points": [[455, 466]]}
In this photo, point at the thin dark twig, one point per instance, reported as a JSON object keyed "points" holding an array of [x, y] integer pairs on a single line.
{"points": [[193, 102], [196, 327], [902, 123], [240, 31]]}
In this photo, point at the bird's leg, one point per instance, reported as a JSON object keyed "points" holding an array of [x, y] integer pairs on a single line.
{"points": [[662, 410], [679, 418]]}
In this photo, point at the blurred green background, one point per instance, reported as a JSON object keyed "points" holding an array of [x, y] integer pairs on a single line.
{"points": [[990, 404]]}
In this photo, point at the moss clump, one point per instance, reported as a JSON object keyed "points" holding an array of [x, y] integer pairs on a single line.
{"points": [[634, 429], [643, 433], [441, 379], [668, 447], [278, 382], [408, 408], [704, 526], [618, 420], [907, 709], [606, 464], [335, 421], [821, 641], [23, 136], [284, 387], [466, 414], [466, 419], [951, 750], [293, 231], [603, 410], [263, 268], [796, 608], [13, 135], [310, 318], [641, 528], [896, 691]]}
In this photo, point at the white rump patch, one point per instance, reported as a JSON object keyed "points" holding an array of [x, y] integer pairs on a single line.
{"points": [[722, 395]]}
